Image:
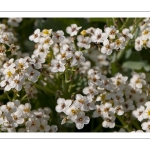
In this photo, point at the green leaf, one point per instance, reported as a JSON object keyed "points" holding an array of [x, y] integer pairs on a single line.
{"points": [[133, 65], [147, 67], [114, 68]]}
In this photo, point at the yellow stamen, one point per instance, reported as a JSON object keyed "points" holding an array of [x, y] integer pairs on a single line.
{"points": [[83, 32], [9, 73]]}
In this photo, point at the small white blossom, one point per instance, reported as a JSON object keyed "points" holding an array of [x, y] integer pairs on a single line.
{"points": [[73, 29]]}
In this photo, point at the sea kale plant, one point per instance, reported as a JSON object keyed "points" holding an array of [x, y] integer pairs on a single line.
{"points": [[93, 79]]}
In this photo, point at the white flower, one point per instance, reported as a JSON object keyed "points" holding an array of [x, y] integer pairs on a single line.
{"points": [[120, 43], [107, 109], [77, 58], [141, 99], [38, 114], [80, 101], [58, 36], [108, 47], [138, 44], [38, 61], [146, 32], [73, 29], [103, 96], [57, 65], [33, 124], [6, 38], [36, 36], [138, 113], [25, 109], [106, 83], [109, 121], [90, 31], [128, 105], [64, 54], [72, 111], [119, 110], [14, 22], [146, 113], [17, 117], [98, 36], [32, 74], [44, 127], [117, 97], [125, 34], [119, 81], [146, 126], [6, 84], [98, 111], [81, 120], [132, 93], [13, 49], [83, 42], [41, 51], [17, 82], [62, 104], [46, 32], [137, 81], [9, 64], [46, 42], [53, 128], [9, 73], [90, 90], [111, 32], [16, 102], [89, 103], [21, 64], [94, 78], [8, 108]]}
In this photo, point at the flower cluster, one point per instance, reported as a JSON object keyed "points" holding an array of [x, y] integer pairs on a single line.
{"points": [[108, 40], [75, 73], [109, 98], [18, 117], [143, 40], [15, 73]]}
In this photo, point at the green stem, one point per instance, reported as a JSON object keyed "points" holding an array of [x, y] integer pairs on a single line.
{"points": [[113, 20], [98, 128], [75, 46], [44, 89], [137, 24], [24, 97], [124, 25], [66, 76], [8, 96], [136, 125], [124, 123]]}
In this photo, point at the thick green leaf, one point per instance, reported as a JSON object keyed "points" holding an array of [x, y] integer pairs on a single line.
{"points": [[133, 65]]}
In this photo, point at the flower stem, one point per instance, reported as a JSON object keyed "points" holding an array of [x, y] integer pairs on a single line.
{"points": [[44, 89], [8, 96], [126, 126], [124, 25]]}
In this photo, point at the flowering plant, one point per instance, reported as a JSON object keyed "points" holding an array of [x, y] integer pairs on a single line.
{"points": [[80, 78]]}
